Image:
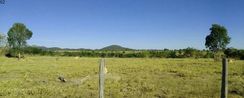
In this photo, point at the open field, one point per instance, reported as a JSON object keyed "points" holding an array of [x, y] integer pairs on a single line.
{"points": [[37, 76]]}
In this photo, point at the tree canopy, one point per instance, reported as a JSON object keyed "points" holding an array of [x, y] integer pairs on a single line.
{"points": [[218, 38], [17, 35]]}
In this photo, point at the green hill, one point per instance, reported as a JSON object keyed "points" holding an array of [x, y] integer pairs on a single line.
{"points": [[116, 48]]}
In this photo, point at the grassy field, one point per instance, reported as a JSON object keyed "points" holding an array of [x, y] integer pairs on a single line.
{"points": [[37, 76]]}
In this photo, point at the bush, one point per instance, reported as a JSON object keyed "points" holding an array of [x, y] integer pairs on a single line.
{"points": [[32, 50], [218, 56], [242, 57], [13, 53]]}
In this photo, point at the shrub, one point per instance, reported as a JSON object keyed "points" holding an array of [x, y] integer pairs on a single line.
{"points": [[218, 56]]}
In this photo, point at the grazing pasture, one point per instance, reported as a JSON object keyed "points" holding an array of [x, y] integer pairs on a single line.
{"points": [[39, 76]]}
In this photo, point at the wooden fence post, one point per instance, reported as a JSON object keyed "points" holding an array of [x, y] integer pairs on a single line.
{"points": [[224, 84], [101, 78]]}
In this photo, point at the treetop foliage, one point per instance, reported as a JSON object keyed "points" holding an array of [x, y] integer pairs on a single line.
{"points": [[17, 35], [218, 38]]}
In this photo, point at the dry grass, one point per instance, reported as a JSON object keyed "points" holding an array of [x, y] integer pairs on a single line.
{"points": [[126, 77]]}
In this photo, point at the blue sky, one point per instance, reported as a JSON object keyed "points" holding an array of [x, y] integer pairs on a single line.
{"points": [[139, 24]]}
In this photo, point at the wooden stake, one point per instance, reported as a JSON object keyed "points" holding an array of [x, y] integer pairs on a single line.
{"points": [[101, 78], [224, 86]]}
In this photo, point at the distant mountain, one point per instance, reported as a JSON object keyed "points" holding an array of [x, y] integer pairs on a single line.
{"points": [[59, 49], [116, 48]]}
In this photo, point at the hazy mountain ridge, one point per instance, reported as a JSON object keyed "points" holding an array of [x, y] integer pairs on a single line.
{"points": [[107, 48]]}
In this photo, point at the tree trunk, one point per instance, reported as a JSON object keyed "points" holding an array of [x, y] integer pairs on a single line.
{"points": [[19, 56]]}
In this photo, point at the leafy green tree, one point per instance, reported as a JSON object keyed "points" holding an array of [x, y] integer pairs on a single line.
{"points": [[218, 38], [17, 36]]}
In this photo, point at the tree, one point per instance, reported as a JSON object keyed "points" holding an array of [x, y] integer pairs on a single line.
{"points": [[218, 38], [17, 36]]}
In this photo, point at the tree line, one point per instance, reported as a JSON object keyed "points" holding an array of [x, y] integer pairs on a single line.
{"points": [[165, 53]]}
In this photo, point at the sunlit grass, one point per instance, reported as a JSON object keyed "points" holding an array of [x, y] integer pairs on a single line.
{"points": [[37, 76]]}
